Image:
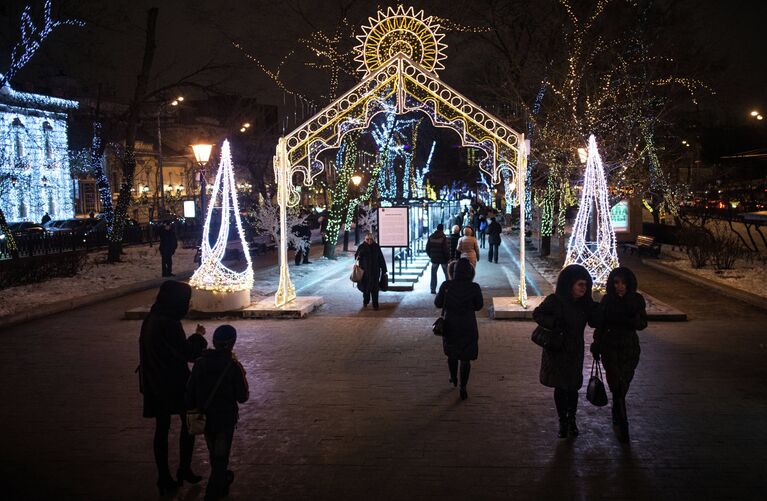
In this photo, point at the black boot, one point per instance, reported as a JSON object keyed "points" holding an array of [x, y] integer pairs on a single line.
{"points": [[452, 365], [562, 428], [623, 422], [187, 475], [572, 428]]}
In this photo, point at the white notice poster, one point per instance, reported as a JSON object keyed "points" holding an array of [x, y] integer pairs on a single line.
{"points": [[392, 227]]}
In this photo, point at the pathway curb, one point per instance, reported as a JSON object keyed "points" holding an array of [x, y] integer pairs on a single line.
{"points": [[79, 302], [728, 291]]}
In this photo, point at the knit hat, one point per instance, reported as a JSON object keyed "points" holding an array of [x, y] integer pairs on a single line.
{"points": [[224, 334]]}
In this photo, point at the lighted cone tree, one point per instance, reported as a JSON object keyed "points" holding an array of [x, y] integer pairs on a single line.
{"points": [[217, 287], [598, 256]]}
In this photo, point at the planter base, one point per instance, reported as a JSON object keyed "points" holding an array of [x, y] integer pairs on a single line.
{"points": [[212, 301]]}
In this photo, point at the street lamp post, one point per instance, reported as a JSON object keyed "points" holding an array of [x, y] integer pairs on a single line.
{"points": [[356, 180], [202, 155], [161, 181]]}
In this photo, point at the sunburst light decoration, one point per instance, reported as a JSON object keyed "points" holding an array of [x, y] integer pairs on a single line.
{"points": [[400, 30], [213, 275]]}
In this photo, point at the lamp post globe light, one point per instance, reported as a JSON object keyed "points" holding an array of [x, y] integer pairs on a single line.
{"points": [[201, 156]]}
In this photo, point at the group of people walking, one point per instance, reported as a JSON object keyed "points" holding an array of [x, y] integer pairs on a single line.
{"points": [[564, 314], [214, 387]]}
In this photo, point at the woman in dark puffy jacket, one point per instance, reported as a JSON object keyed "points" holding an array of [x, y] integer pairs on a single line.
{"points": [[568, 311], [620, 315], [461, 298], [164, 354]]}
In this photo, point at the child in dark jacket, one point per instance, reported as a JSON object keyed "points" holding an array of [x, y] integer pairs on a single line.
{"points": [[222, 410]]}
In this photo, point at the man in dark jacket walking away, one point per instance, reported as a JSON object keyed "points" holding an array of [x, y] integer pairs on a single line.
{"points": [[494, 239], [303, 232], [438, 250], [221, 398], [168, 244], [164, 354]]}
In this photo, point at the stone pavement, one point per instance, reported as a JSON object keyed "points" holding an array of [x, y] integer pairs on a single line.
{"points": [[355, 404]]}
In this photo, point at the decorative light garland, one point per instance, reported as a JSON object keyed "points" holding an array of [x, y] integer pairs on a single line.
{"points": [[212, 274], [599, 257]]}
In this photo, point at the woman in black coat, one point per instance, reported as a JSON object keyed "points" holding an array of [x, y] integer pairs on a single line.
{"points": [[620, 315], [164, 354], [568, 310], [460, 298], [373, 264]]}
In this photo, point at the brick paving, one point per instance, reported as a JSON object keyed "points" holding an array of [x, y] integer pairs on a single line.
{"points": [[355, 404]]}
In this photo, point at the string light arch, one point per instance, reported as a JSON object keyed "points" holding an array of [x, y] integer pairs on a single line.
{"points": [[400, 52]]}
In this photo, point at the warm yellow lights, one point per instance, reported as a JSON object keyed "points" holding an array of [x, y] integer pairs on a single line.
{"points": [[754, 113], [400, 31], [202, 152], [356, 179]]}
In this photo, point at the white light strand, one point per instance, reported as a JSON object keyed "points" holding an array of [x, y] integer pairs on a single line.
{"points": [[212, 274], [599, 257]]}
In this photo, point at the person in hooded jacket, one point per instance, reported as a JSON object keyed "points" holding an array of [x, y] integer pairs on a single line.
{"points": [[568, 310], [461, 298], [494, 231], [222, 413], [164, 354], [373, 264], [622, 312]]}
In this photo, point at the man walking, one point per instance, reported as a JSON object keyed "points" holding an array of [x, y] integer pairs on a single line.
{"points": [[493, 239], [168, 244], [438, 250]]}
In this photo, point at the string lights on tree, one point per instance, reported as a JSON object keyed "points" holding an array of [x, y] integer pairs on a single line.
{"points": [[213, 275], [599, 257]]}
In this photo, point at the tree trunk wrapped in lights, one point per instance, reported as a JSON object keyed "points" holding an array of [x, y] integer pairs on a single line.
{"points": [[599, 256]]}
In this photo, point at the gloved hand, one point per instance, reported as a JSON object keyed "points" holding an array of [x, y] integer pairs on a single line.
{"points": [[594, 349]]}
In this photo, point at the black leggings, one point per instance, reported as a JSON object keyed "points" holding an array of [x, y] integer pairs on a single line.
{"points": [[452, 364], [566, 402], [185, 445]]}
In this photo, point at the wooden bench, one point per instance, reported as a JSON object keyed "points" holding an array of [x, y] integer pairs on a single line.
{"points": [[261, 244], [643, 243]]}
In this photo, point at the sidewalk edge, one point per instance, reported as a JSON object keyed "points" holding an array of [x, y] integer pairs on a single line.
{"points": [[728, 291]]}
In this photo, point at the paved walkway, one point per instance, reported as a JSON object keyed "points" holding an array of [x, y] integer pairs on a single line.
{"points": [[353, 404]]}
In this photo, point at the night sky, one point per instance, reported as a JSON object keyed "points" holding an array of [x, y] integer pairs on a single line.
{"points": [[727, 38]]}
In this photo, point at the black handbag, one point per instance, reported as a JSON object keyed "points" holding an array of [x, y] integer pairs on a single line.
{"points": [[383, 284], [595, 393], [548, 339], [438, 327]]}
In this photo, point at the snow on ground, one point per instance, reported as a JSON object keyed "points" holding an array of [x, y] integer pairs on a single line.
{"points": [[138, 264], [749, 277]]}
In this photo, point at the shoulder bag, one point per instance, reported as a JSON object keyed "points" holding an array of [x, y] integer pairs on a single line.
{"points": [[438, 327], [595, 393], [357, 272], [195, 418], [548, 339]]}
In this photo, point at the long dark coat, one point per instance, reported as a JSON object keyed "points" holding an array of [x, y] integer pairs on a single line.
{"points": [[559, 312], [373, 263], [460, 298], [165, 351], [617, 321], [168, 241], [454, 237], [493, 232]]}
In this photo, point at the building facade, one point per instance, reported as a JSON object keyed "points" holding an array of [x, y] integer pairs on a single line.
{"points": [[35, 176]]}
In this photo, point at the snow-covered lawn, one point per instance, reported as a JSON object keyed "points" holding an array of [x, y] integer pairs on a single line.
{"points": [[138, 264], [749, 277]]}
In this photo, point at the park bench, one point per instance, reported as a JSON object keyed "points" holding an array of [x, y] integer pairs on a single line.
{"points": [[643, 243], [261, 244]]}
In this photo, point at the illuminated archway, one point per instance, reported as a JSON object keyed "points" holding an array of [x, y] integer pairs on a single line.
{"points": [[399, 53]]}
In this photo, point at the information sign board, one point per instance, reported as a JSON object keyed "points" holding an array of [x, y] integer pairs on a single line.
{"points": [[393, 227], [619, 216]]}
